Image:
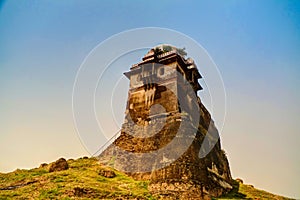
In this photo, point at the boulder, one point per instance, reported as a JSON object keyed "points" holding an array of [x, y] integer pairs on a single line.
{"points": [[107, 173], [43, 165], [239, 180], [59, 165]]}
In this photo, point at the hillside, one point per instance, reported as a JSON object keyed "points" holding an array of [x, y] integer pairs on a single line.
{"points": [[85, 178]]}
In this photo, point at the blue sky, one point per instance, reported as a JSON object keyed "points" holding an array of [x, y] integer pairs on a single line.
{"points": [[255, 44]]}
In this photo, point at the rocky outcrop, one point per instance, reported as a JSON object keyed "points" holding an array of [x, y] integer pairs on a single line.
{"points": [[59, 165]]}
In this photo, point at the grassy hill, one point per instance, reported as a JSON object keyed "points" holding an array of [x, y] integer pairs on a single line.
{"points": [[84, 180], [244, 191]]}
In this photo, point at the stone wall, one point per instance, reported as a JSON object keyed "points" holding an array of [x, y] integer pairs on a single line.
{"points": [[208, 176], [165, 129]]}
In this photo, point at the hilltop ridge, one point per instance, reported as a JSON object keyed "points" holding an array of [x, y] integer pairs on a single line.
{"points": [[86, 178]]}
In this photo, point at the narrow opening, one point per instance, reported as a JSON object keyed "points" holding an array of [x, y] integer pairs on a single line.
{"points": [[162, 71]]}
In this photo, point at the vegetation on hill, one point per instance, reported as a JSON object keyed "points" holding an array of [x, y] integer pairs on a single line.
{"points": [[244, 191], [85, 178]]}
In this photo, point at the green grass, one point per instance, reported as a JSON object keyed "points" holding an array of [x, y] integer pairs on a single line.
{"points": [[83, 175], [244, 191]]}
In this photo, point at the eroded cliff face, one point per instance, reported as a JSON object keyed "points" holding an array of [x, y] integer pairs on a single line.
{"points": [[168, 136]]}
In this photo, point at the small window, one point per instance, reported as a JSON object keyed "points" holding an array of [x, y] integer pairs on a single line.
{"points": [[161, 71]]}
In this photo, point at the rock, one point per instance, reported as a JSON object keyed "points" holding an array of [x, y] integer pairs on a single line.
{"points": [[107, 173], [239, 180], [43, 165], [59, 165], [80, 192], [86, 193]]}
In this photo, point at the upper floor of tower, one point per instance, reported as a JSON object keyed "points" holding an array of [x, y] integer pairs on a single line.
{"points": [[162, 63]]}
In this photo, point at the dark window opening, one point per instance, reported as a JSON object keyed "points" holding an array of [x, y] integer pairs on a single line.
{"points": [[161, 71]]}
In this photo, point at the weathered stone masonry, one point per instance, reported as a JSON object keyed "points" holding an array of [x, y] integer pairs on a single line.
{"points": [[162, 109]]}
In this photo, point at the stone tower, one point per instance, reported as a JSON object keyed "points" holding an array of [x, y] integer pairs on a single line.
{"points": [[162, 138]]}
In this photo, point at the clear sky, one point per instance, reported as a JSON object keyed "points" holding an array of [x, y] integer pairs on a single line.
{"points": [[256, 45]]}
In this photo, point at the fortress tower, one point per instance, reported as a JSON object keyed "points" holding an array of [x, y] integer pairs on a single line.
{"points": [[162, 138], [159, 79]]}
